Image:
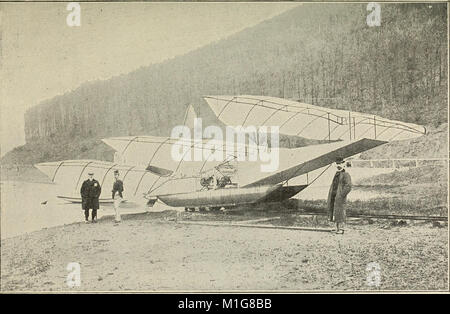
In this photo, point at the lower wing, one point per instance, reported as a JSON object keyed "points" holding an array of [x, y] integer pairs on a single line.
{"points": [[316, 161], [70, 174]]}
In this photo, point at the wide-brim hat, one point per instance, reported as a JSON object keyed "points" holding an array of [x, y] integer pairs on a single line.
{"points": [[339, 160], [90, 173]]}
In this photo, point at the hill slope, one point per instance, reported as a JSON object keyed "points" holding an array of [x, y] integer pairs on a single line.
{"points": [[319, 54]]}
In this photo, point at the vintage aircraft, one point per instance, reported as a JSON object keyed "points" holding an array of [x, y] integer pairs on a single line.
{"points": [[148, 170]]}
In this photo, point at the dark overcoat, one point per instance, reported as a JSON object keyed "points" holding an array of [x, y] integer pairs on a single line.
{"points": [[90, 192], [336, 208]]}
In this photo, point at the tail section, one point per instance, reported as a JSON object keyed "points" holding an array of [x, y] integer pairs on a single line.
{"points": [[189, 117]]}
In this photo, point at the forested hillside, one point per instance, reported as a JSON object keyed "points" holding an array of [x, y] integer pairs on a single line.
{"points": [[323, 54]]}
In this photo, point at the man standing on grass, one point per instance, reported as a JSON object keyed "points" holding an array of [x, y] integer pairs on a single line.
{"points": [[117, 195], [90, 193], [337, 196]]}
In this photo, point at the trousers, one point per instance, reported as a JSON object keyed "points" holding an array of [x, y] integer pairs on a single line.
{"points": [[86, 214], [117, 201]]}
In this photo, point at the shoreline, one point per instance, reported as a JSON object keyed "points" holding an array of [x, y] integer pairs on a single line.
{"points": [[102, 217], [152, 252]]}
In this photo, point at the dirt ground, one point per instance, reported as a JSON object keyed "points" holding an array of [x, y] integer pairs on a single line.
{"points": [[154, 251]]}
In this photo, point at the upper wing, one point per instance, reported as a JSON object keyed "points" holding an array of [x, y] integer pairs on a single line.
{"points": [[308, 121]]}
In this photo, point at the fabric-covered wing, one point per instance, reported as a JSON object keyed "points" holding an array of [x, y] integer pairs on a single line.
{"points": [[153, 151], [307, 159], [308, 121], [70, 174]]}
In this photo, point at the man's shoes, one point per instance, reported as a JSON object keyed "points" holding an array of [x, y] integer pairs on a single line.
{"points": [[94, 220], [86, 221]]}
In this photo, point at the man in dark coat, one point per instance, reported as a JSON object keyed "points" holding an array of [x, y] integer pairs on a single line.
{"points": [[90, 192], [337, 195]]}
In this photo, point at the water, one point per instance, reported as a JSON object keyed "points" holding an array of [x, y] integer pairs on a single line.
{"points": [[22, 211]]}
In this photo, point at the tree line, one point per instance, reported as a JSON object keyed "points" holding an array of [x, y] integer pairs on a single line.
{"points": [[322, 54]]}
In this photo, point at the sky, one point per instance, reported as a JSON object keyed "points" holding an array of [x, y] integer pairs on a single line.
{"points": [[41, 56]]}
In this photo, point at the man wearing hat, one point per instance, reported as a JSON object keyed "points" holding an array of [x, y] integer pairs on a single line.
{"points": [[337, 196], [90, 192], [117, 194]]}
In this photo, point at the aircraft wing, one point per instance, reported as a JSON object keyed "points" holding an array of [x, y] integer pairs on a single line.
{"points": [[156, 152], [309, 121], [307, 159], [70, 174]]}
